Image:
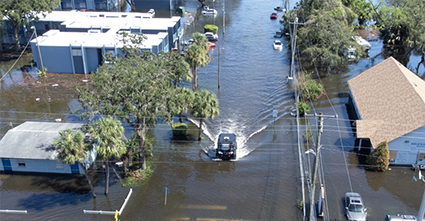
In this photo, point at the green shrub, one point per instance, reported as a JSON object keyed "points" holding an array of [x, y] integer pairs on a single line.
{"points": [[179, 130], [379, 158], [211, 28], [310, 89], [303, 108]]}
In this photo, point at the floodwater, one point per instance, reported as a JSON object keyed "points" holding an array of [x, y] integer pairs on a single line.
{"points": [[264, 183]]}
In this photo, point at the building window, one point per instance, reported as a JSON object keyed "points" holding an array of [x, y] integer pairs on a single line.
{"points": [[47, 27], [21, 163], [393, 155], [77, 52], [421, 157]]}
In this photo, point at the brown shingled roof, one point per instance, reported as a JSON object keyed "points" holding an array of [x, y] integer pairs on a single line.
{"points": [[390, 99]]}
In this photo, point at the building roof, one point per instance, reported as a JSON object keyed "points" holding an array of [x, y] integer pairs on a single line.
{"points": [[390, 100], [57, 38], [33, 140]]}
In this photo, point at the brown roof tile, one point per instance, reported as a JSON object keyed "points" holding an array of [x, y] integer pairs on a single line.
{"points": [[390, 99]]}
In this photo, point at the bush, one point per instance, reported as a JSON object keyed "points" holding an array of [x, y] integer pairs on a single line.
{"points": [[303, 108], [211, 28], [179, 130], [379, 158], [310, 89]]}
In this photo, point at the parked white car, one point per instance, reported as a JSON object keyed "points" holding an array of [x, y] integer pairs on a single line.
{"points": [[211, 36], [277, 45], [354, 207]]}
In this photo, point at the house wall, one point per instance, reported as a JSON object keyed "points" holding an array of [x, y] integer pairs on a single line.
{"points": [[92, 57], [406, 148], [39, 166], [56, 59]]}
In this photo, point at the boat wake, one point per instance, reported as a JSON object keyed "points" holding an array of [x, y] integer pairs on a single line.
{"points": [[241, 138]]}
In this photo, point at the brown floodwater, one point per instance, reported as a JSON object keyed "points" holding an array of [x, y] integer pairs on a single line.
{"points": [[264, 183]]}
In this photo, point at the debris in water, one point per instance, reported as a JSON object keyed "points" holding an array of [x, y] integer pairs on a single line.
{"points": [[37, 99], [58, 120], [55, 85], [85, 81]]}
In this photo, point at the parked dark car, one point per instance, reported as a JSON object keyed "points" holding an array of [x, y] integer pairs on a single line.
{"points": [[278, 34]]}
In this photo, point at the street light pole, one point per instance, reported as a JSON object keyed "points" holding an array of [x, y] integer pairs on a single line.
{"points": [[38, 47]]}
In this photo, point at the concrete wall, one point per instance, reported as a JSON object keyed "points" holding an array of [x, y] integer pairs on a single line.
{"points": [[56, 59], [92, 59], [39, 166], [407, 148]]}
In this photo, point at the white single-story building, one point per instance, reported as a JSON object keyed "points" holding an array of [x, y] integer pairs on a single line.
{"points": [[389, 101], [75, 42], [29, 147]]}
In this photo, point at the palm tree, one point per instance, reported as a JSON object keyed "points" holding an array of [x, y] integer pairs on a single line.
{"points": [[197, 55], [205, 105], [200, 39], [72, 149], [107, 135]]}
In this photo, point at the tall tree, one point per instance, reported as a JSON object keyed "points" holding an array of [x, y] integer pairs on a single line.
{"points": [[107, 135], [205, 105], [20, 12], [72, 148], [402, 22], [179, 69], [135, 88], [197, 55]]}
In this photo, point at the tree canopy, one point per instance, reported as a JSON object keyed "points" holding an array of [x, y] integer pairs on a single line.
{"points": [[136, 87], [197, 55], [326, 34], [20, 12], [72, 148]]}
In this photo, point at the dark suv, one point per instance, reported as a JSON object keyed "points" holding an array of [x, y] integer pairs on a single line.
{"points": [[226, 147]]}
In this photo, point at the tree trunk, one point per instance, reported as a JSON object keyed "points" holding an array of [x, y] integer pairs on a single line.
{"points": [[181, 117], [107, 177], [16, 35], [116, 173], [142, 163], [200, 129], [88, 179], [126, 160], [410, 50], [195, 77]]}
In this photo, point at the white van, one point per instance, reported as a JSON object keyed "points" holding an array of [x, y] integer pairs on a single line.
{"points": [[399, 217]]}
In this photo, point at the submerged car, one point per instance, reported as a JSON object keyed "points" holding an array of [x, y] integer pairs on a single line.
{"points": [[277, 45], [273, 15], [226, 146], [211, 36], [354, 207], [399, 217]]}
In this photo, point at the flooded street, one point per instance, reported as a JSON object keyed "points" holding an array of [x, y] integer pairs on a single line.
{"points": [[264, 183]]}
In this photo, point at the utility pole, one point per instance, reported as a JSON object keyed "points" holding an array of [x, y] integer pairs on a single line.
{"points": [[224, 17], [38, 47], [316, 162], [218, 68]]}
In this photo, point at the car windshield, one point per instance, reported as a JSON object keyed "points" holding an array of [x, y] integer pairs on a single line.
{"points": [[277, 43], [355, 208]]}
